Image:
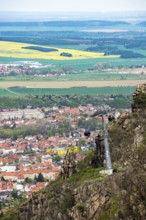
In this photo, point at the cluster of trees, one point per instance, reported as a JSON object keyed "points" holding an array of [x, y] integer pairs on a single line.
{"points": [[19, 132], [64, 54], [64, 127], [38, 40], [41, 127], [39, 178], [138, 44], [64, 100], [113, 50], [125, 54], [101, 48], [42, 49]]}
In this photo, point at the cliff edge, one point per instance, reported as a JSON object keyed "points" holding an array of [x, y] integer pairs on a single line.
{"points": [[88, 195]]}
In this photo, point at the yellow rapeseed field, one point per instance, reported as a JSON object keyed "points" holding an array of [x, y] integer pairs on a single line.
{"points": [[16, 50]]}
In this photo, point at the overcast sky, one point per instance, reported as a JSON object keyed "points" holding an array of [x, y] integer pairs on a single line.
{"points": [[72, 5]]}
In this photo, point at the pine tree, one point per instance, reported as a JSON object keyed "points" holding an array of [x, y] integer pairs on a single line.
{"points": [[40, 178]]}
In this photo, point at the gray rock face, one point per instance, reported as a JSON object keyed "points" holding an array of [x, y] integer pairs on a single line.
{"points": [[69, 165], [139, 99], [113, 198]]}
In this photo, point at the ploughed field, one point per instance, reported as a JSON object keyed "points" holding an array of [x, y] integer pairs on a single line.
{"points": [[70, 84]]}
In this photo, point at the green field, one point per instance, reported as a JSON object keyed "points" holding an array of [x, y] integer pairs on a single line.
{"points": [[15, 91], [5, 92]]}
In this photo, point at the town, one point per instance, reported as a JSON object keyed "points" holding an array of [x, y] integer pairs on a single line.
{"points": [[24, 68], [33, 143]]}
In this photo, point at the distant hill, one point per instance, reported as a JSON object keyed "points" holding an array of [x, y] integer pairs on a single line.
{"points": [[66, 23], [142, 23]]}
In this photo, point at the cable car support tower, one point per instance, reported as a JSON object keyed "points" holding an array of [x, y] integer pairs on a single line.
{"points": [[109, 169]]}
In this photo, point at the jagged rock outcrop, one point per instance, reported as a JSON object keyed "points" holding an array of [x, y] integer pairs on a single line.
{"points": [[87, 195], [139, 99], [69, 165]]}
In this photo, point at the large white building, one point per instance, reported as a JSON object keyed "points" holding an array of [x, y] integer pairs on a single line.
{"points": [[19, 114]]}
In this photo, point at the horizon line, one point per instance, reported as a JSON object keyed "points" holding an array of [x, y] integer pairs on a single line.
{"points": [[101, 11]]}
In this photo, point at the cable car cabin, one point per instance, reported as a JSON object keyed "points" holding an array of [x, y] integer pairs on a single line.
{"points": [[87, 133], [111, 118]]}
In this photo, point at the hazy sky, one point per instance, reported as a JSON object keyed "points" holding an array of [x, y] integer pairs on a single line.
{"points": [[72, 5]]}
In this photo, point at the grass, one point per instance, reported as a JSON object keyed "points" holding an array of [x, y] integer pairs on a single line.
{"points": [[9, 215], [86, 174], [109, 213]]}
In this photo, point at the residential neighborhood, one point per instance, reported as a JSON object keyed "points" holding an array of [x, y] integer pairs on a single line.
{"points": [[26, 68], [29, 162], [23, 68]]}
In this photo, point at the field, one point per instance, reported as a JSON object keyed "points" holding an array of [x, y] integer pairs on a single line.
{"points": [[70, 84], [97, 75], [20, 50], [21, 88], [95, 91], [79, 38], [71, 87], [83, 44]]}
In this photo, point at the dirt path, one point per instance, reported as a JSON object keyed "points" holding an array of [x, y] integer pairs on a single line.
{"points": [[12, 91]]}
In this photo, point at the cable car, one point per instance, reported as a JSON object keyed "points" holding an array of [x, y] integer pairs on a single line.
{"points": [[111, 117], [87, 133]]}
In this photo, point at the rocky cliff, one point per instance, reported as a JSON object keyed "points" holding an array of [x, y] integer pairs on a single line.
{"points": [[88, 195]]}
